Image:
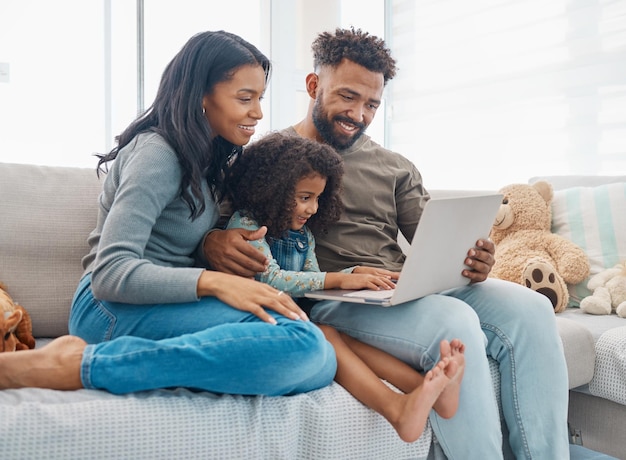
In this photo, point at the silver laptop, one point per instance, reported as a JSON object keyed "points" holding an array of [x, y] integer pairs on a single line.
{"points": [[448, 228]]}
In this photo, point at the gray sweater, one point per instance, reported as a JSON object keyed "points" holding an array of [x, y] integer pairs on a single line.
{"points": [[144, 245]]}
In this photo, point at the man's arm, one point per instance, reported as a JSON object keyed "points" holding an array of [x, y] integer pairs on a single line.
{"points": [[229, 251]]}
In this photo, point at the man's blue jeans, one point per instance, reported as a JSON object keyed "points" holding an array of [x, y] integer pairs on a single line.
{"points": [[205, 345], [511, 323]]}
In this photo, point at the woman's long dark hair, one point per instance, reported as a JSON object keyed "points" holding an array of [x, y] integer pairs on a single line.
{"points": [[176, 114]]}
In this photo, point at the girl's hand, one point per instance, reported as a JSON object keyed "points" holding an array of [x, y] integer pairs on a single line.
{"points": [[377, 271], [362, 278], [249, 295], [365, 281]]}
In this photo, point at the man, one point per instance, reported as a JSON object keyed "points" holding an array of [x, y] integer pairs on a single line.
{"points": [[384, 194]]}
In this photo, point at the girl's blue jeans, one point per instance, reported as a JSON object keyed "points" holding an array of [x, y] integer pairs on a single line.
{"points": [[508, 322], [205, 345]]}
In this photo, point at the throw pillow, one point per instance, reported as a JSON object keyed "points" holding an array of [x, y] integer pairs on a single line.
{"points": [[594, 218]]}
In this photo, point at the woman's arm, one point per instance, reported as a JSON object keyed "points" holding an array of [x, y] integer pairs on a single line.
{"points": [[139, 259]]}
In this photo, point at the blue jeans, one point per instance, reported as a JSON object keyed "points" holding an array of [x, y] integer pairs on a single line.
{"points": [[508, 322], [204, 345]]}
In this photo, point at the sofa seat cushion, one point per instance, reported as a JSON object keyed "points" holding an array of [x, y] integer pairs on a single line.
{"points": [[327, 423], [609, 336], [609, 381]]}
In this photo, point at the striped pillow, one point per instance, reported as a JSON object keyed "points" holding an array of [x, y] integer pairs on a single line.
{"points": [[594, 218]]}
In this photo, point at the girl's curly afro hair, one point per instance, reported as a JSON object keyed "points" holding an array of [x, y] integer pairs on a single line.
{"points": [[357, 46], [262, 181]]}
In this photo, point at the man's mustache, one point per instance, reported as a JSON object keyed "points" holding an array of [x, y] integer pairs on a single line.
{"points": [[350, 122]]}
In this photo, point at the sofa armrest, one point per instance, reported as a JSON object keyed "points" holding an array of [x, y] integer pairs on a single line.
{"points": [[579, 349]]}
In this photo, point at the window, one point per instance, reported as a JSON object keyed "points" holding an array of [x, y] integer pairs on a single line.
{"points": [[52, 99], [298, 22], [68, 87], [72, 84], [491, 92]]}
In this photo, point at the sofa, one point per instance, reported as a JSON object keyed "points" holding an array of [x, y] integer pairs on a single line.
{"points": [[46, 214], [591, 212]]}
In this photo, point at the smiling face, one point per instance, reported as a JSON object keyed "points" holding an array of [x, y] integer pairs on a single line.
{"points": [[233, 108], [308, 191], [346, 100]]}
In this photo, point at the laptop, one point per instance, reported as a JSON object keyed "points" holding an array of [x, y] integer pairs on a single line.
{"points": [[448, 228]]}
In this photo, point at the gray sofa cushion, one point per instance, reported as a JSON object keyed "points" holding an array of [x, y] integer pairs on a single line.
{"points": [[40, 254]]}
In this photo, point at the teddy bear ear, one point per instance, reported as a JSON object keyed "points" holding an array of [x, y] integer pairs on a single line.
{"points": [[544, 189], [12, 319]]}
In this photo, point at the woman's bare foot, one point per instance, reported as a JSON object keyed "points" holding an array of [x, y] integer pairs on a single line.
{"points": [[55, 366], [448, 403], [416, 406]]}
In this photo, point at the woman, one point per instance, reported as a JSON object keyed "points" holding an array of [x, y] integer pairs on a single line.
{"points": [[146, 313]]}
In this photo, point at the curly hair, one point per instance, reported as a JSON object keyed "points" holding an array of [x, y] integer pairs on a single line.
{"points": [[262, 181], [360, 47]]}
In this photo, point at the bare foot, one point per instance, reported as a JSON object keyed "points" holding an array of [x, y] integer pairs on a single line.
{"points": [[448, 403], [417, 404], [55, 366]]}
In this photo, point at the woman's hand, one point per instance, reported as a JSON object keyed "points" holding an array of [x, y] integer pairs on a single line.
{"points": [[249, 295], [480, 260]]}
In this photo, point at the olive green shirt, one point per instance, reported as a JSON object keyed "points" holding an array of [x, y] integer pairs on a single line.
{"points": [[383, 194]]}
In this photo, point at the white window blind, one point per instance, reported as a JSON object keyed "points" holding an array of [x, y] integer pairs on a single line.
{"points": [[491, 92]]}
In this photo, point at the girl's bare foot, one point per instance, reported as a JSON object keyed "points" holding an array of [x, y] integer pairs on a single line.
{"points": [[448, 403], [55, 366], [416, 406]]}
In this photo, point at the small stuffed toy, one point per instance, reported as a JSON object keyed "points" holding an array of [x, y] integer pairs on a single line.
{"points": [[15, 325], [527, 252], [609, 292]]}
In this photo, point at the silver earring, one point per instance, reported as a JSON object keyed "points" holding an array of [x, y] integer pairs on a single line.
{"points": [[203, 111]]}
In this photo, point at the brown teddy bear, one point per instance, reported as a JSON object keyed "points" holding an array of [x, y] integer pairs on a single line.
{"points": [[527, 252], [15, 325]]}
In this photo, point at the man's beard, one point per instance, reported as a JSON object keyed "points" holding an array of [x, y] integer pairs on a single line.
{"points": [[326, 128]]}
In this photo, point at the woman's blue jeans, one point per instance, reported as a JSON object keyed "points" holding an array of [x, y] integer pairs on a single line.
{"points": [[508, 322], [204, 345]]}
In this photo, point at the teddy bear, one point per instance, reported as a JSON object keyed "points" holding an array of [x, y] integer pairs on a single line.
{"points": [[609, 292], [15, 325], [527, 252]]}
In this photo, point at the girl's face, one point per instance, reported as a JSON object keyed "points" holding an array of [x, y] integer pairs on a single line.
{"points": [[233, 108], [308, 191]]}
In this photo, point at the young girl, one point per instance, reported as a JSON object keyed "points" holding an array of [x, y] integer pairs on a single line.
{"points": [[146, 313], [288, 184]]}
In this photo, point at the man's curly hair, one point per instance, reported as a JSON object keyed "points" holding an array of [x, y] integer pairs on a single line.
{"points": [[262, 181], [360, 47]]}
